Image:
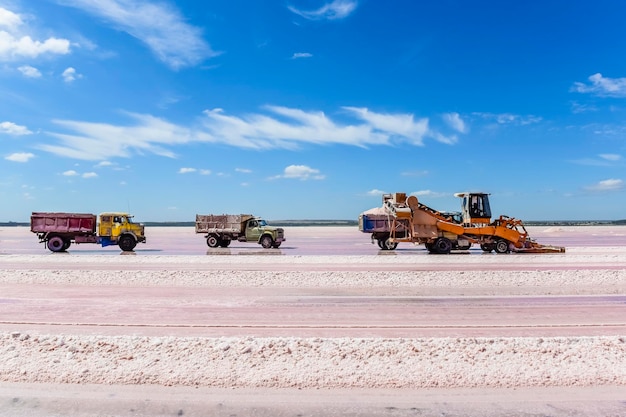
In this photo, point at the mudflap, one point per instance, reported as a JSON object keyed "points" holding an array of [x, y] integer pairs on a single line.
{"points": [[106, 241]]}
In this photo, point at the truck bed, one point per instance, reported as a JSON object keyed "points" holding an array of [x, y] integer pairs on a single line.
{"points": [[42, 222], [223, 223]]}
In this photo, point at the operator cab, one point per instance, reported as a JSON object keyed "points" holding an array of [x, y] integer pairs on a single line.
{"points": [[475, 208]]}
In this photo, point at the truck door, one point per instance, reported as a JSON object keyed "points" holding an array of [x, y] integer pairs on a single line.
{"points": [[253, 231], [117, 228], [105, 225]]}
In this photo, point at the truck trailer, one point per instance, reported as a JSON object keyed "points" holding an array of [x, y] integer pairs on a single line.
{"points": [[222, 229], [59, 230]]}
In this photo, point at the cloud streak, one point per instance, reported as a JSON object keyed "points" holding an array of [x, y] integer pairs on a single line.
{"points": [[13, 129], [608, 185], [301, 172], [22, 157], [508, 118], [337, 9], [159, 26], [602, 86], [276, 128]]}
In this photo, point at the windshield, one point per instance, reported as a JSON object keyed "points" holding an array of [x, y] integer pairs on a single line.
{"points": [[262, 223]]}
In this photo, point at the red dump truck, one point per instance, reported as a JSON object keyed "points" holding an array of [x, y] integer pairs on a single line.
{"points": [[59, 230]]}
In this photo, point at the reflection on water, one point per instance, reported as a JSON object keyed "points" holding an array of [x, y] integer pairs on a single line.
{"points": [[128, 253], [228, 251]]}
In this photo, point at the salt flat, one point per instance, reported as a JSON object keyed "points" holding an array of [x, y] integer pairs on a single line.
{"points": [[336, 269]]}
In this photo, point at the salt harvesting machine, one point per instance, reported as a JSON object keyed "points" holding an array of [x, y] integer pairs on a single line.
{"points": [[405, 219]]}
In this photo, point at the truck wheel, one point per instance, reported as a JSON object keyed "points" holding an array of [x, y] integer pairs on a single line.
{"points": [[66, 244], [224, 243], [213, 241], [388, 245], [276, 245], [487, 247], [56, 244], [127, 243], [267, 242], [502, 246], [442, 245]]}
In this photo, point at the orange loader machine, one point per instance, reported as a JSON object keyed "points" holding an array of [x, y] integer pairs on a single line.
{"points": [[403, 219]]}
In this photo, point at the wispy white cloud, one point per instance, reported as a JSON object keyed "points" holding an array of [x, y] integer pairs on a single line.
{"points": [[277, 128], [20, 157], [9, 20], [508, 118], [158, 25], [610, 157], [415, 173], [301, 172], [74, 173], [189, 170], [376, 192], [299, 55], [455, 122], [602, 160], [16, 44], [29, 72], [393, 125], [578, 108], [602, 86], [243, 170], [70, 75], [429, 193], [99, 141], [611, 184], [13, 129], [337, 9]]}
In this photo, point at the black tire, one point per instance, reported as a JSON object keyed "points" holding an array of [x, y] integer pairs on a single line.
{"points": [[487, 247], [56, 244], [224, 243], [442, 245], [501, 246], [213, 241], [381, 244], [388, 245], [67, 243], [276, 245], [267, 241], [127, 243]]}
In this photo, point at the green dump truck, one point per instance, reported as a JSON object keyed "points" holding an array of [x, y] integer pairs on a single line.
{"points": [[222, 229]]}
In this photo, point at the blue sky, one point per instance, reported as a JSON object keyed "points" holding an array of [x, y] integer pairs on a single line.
{"points": [[310, 109]]}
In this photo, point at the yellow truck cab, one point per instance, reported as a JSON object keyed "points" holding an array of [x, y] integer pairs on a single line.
{"points": [[117, 228]]}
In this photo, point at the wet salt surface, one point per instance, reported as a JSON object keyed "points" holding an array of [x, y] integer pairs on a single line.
{"points": [[30, 400], [331, 240], [598, 245]]}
